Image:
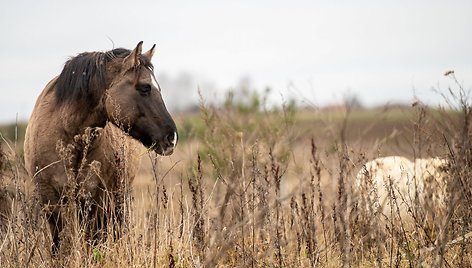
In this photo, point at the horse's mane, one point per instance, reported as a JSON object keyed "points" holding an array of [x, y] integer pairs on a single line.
{"points": [[83, 76]]}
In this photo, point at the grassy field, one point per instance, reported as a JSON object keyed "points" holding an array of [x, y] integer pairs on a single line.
{"points": [[255, 187]]}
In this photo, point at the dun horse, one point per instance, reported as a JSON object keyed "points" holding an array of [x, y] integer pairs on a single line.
{"points": [[81, 139]]}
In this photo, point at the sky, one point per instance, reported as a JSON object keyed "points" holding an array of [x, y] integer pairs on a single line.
{"points": [[314, 52]]}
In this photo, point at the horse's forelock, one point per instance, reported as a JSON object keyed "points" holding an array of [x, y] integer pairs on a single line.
{"points": [[123, 53]]}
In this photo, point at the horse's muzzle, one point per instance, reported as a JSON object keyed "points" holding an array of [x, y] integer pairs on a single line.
{"points": [[165, 152], [168, 145]]}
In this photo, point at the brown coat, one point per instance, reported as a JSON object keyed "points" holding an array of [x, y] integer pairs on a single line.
{"points": [[73, 147]]}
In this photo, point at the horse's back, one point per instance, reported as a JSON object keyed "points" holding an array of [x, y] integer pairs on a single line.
{"points": [[391, 175], [390, 167], [422, 182]]}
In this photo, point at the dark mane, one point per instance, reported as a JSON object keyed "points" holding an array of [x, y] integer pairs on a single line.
{"points": [[83, 76]]}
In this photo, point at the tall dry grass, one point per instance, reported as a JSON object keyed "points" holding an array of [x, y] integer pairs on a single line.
{"points": [[248, 188]]}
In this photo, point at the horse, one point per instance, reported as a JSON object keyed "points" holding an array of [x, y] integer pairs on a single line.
{"points": [[397, 185], [85, 132]]}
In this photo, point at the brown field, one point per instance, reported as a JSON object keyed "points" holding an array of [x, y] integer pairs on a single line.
{"points": [[249, 187]]}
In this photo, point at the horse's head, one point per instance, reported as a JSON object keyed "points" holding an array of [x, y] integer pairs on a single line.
{"points": [[134, 103]]}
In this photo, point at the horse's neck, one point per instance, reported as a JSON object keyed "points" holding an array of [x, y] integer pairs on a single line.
{"points": [[76, 120]]}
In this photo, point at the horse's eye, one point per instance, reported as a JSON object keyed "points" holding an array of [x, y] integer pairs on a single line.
{"points": [[144, 89]]}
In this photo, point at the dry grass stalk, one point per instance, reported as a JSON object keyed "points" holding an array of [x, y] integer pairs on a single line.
{"points": [[253, 195]]}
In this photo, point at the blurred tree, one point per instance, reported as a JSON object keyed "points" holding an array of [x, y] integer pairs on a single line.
{"points": [[352, 101]]}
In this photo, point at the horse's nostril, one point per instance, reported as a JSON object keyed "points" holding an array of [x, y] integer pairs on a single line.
{"points": [[172, 138]]}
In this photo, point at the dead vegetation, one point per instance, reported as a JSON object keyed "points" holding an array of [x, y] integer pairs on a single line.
{"points": [[253, 187]]}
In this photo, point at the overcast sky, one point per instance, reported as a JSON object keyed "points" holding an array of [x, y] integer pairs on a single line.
{"points": [[313, 51]]}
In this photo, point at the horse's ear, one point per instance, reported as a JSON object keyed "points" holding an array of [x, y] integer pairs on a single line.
{"points": [[132, 60], [148, 55]]}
